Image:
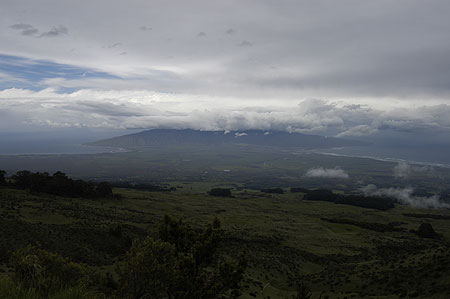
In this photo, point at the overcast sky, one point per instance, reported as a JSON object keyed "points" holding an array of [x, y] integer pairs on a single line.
{"points": [[346, 68]]}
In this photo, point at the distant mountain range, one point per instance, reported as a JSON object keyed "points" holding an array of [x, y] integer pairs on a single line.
{"points": [[172, 137]]}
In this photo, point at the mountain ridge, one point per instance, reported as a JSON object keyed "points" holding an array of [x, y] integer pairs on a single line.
{"points": [[158, 137]]}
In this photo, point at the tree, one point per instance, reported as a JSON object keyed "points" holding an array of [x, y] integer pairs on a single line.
{"points": [[426, 230], [2, 177], [181, 264], [104, 190], [224, 192], [149, 269]]}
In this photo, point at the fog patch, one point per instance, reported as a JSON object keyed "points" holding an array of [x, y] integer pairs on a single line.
{"points": [[405, 196], [404, 170], [330, 173]]}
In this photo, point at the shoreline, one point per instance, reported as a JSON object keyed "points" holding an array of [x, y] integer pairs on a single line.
{"points": [[382, 159], [108, 150]]}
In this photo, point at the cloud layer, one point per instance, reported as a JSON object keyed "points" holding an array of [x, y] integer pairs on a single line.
{"points": [[250, 49], [147, 109]]}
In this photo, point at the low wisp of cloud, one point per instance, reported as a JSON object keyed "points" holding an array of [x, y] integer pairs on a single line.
{"points": [[329, 173], [404, 170], [406, 196]]}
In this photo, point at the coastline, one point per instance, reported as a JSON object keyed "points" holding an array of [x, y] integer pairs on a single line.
{"points": [[383, 159]]}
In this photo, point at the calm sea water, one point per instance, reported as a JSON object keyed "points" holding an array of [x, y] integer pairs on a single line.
{"points": [[53, 143]]}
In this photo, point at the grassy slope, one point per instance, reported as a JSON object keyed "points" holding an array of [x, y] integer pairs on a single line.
{"points": [[283, 236]]}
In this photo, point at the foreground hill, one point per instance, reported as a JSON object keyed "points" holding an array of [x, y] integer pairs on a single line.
{"points": [[255, 137], [339, 251]]}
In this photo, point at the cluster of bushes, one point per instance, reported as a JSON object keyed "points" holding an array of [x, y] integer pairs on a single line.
{"points": [[180, 263], [222, 192], [37, 273], [426, 230], [370, 202], [58, 184]]}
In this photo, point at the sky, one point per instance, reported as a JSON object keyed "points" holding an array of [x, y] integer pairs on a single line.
{"points": [[346, 68]]}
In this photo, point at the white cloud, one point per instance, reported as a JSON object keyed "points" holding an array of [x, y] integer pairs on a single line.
{"points": [[240, 134], [360, 130], [150, 109], [405, 196], [329, 173]]}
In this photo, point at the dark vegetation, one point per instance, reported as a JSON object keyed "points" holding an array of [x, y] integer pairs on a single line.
{"points": [[2, 177], [179, 263], [426, 230], [59, 184], [299, 190], [379, 203], [303, 292], [224, 192]]}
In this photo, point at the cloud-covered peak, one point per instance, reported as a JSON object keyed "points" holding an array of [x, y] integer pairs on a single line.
{"points": [[139, 108]]}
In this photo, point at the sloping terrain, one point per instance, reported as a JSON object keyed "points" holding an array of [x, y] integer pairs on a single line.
{"points": [[338, 250]]}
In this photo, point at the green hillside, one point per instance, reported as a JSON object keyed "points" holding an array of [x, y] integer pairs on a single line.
{"points": [[336, 250]]}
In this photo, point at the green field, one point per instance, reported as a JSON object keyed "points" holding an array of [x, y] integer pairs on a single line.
{"points": [[284, 237]]}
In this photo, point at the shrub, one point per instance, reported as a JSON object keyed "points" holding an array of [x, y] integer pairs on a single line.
{"points": [[182, 263], [45, 272]]}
